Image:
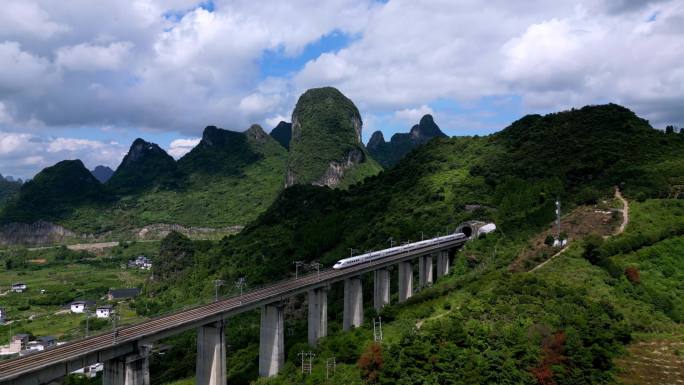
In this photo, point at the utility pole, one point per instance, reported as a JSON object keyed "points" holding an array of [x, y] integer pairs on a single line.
{"points": [[317, 266], [217, 283], [297, 264], [351, 252], [241, 283], [391, 241], [87, 323]]}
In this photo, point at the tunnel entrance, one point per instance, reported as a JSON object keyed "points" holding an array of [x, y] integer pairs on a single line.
{"points": [[467, 231]]}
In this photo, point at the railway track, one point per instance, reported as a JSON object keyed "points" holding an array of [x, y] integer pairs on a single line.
{"points": [[185, 319]]}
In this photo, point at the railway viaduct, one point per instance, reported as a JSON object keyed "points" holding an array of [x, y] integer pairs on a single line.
{"points": [[125, 355]]}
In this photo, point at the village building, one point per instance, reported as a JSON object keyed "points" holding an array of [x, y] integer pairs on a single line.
{"points": [[104, 311], [140, 262], [19, 287], [122, 294], [80, 306], [18, 342]]}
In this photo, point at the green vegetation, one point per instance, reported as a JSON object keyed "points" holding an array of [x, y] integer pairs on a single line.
{"points": [[563, 323], [326, 128], [8, 190], [145, 166], [58, 276], [282, 133], [53, 192]]}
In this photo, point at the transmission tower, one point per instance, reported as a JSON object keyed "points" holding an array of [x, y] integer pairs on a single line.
{"points": [[558, 220], [330, 366], [377, 329], [307, 361]]}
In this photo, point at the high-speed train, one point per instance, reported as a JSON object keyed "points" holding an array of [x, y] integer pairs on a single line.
{"points": [[375, 255]]}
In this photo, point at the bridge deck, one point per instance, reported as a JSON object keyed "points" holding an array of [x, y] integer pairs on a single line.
{"points": [[175, 323]]}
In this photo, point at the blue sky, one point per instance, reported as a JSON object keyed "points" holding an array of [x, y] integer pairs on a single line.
{"points": [[84, 82]]}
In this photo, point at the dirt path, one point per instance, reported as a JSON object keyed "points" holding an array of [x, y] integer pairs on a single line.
{"points": [[625, 221], [550, 259], [624, 211]]}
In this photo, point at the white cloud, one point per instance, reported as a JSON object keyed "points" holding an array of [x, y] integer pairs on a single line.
{"points": [[22, 72], [88, 57], [273, 121], [21, 17], [180, 147], [413, 115], [22, 154]]}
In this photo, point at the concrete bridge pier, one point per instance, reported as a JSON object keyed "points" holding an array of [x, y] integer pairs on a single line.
{"points": [[211, 354], [381, 288], [132, 369], [318, 315], [405, 281], [425, 270], [353, 303], [443, 264], [271, 340]]}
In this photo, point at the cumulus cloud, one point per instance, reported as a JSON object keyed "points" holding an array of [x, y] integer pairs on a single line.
{"points": [[22, 154], [21, 18], [413, 115], [88, 57], [180, 147]]}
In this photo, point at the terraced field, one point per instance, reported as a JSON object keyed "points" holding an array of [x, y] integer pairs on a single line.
{"points": [[654, 362]]}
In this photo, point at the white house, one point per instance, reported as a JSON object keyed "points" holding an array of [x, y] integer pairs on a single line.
{"points": [[140, 262], [19, 287], [80, 306], [103, 311]]}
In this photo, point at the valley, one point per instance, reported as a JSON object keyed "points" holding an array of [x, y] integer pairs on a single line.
{"points": [[504, 304]]}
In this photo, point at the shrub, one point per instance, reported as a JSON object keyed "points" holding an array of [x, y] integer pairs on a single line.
{"points": [[370, 363], [592, 248], [548, 241], [632, 274]]}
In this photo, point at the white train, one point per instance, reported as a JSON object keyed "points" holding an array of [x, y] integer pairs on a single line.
{"points": [[375, 255]]}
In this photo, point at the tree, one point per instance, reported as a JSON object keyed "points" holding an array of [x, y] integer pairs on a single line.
{"points": [[548, 241], [669, 130], [632, 274], [370, 363], [175, 254], [592, 248]]}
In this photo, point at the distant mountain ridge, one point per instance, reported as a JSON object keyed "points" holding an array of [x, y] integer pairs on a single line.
{"points": [[9, 188], [102, 173], [389, 153], [146, 165], [282, 133]]}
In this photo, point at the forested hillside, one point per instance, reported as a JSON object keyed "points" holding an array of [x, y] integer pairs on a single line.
{"points": [[227, 180], [491, 325]]}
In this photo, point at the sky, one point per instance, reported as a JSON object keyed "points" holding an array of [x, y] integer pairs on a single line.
{"points": [[81, 79]]}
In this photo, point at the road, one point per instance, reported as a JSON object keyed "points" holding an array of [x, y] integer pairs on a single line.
{"points": [[183, 320]]}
